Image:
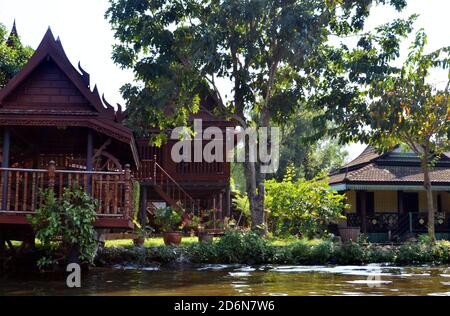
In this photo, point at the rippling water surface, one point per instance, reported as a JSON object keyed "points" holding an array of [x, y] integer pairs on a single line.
{"points": [[241, 280]]}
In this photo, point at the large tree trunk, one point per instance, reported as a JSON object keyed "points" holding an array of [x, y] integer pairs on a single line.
{"points": [[429, 193], [255, 192]]}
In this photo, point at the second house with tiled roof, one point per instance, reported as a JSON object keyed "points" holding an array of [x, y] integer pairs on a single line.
{"points": [[386, 195]]}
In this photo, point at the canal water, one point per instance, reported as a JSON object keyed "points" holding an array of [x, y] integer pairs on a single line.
{"points": [[240, 280]]}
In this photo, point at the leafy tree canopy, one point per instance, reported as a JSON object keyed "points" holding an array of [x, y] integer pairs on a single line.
{"points": [[272, 51], [396, 105], [13, 55]]}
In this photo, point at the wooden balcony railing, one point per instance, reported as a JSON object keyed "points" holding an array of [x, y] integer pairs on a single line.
{"points": [[193, 168], [20, 189], [152, 172]]}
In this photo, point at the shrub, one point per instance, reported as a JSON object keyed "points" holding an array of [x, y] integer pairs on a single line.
{"points": [[244, 247], [203, 252], [351, 253], [234, 247], [414, 253], [380, 254], [441, 252], [164, 254], [65, 226], [300, 252], [303, 208], [322, 252]]}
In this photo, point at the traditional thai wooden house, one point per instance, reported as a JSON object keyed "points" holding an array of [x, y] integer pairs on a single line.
{"points": [[196, 185], [386, 194], [57, 132]]}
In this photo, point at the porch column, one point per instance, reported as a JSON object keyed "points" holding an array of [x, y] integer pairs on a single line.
{"points": [[221, 205], [228, 201], [363, 211], [400, 204], [142, 216], [5, 164], [89, 153]]}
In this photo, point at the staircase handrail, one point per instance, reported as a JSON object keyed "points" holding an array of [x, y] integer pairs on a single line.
{"points": [[158, 166]]}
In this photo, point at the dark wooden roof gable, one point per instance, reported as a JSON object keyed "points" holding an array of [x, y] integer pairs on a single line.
{"points": [[51, 48]]}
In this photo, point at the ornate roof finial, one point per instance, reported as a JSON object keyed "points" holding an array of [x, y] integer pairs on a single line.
{"points": [[108, 106], [120, 115], [13, 34], [84, 75]]}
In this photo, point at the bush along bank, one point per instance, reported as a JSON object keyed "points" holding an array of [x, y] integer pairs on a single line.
{"points": [[237, 247]]}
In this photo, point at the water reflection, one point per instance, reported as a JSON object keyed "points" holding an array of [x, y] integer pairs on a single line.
{"points": [[241, 280]]}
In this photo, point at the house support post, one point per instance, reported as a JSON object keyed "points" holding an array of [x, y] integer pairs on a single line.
{"points": [[363, 210], [410, 222], [5, 164], [228, 201], [400, 204], [89, 162], [220, 205], [128, 193]]}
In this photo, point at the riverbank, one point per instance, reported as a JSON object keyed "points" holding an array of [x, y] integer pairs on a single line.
{"points": [[248, 248]]}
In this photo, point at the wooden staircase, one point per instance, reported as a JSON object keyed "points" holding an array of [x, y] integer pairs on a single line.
{"points": [[153, 175]]}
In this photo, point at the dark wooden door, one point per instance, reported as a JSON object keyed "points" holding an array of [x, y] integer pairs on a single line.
{"points": [[411, 202], [370, 202]]}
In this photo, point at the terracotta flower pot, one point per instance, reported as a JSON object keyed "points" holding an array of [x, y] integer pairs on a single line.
{"points": [[139, 241], [204, 237], [349, 233], [172, 238]]}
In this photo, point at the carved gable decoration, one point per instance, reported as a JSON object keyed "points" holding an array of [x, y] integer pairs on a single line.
{"points": [[47, 88], [50, 82]]}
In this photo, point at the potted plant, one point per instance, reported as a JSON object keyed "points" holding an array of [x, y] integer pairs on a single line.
{"points": [[169, 221], [141, 233], [193, 224], [203, 235]]}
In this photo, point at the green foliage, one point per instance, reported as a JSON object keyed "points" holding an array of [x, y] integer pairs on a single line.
{"points": [[304, 145], [66, 224], [351, 253], [233, 247], [168, 219], [241, 204], [250, 248], [136, 199], [407, 108], [441, 252], [141, 256], [178, 50], [12, 57], [414, 253], [303, 208]]}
